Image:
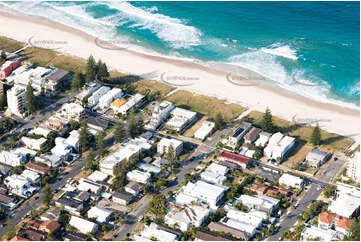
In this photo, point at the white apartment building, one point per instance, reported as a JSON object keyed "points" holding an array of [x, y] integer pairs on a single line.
{"points": [[262, 139], [160, 113], [133, 102], [34, 144], [347, 203], [16, 100], [319, 234], [106, 100], [205, 130], [101, 215], [71, 111], [353, 168], [11, 158], [181, 118], [278, 146], [94, 98], [259, 202], [291, 181], [138, 176], [164, 143], [40, 131], [84, 226], [189, 215], [73, 140], [155, 231], [19, 185]]}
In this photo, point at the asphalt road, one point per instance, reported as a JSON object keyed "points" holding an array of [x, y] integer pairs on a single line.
{"points": [[291, 218]]}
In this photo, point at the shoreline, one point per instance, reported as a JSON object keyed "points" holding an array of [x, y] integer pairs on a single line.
{"points": [[210, 82]]}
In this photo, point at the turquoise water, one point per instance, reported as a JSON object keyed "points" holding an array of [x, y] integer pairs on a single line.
{"points": [[310, 48]]}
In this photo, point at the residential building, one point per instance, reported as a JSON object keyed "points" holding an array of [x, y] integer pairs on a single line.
{"points": [[7, 201], [164, 143], [205, 130], [214, 174], [34, 144], [291, 181], [138, 176], [148, 168], [259, 202], [88, 90], [133, 103], [160, 113], [34, 235], [181, 119], [202, 235], [84, 226], [252, 135], [51, 214], [56, 82], [347, 203], [240, 160], [97, 123], [61, 148], [11, 159], [354, 165], [106, 100], [87, 185], [117, 104], [16, 100], [332, 221], [202, 193], [316, 157], [238, 134], [70, 204], [57, 124], [101, 215], [94, 98], [19, 185], [133, 188], [279, 146], [220, 227], [43, 131], [75, 236], [72, 111], [263, 139], [37, 167], [8, 67], [50, 226], [189, 215], [159, 232], [73, 140], [319, 234], [98, 176], [18, 238], [122, 198], [260, 189], [32, 176]]}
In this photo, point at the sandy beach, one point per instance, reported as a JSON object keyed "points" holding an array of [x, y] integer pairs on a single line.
{"points": [[188, 76]]}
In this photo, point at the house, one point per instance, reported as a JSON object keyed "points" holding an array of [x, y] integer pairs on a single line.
{"points": [[319, 234], [34, 235], [72, 111], [19, 185], [116, 104], [279, 146], [73, 140], [101, 215], [202, 235], [159, 232], [18, 238], [50, 226], [316, 157], [165, 143], [148, 168], [240, 160], [354, 167], [37, 167], [291, 181], [61, 147], [263, 139], [43, 131], [98, 176], [133, 103], [16, 100], [189, 215], [51, 214], [75, 236], [94, 98], [220, 227], [88, 90], [88, 185], [259, 202], [32, 176], [160, 113], [7, 201], [106, 100], [50, 160], [202, 193], [181, 119], [97, 123], [252, 135], [217, 168], [8, 67], [205, 130], [133, 188], [238, 134], [138, 176], [70, 204], [260, 189], [347, 203], [11, 159], [57, 124], [215, 173], [56, 82], [84, 226], [34, 144], [332, 221], [122, 198]]}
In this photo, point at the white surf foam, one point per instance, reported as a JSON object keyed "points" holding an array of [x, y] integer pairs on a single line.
{"points": [[283, 51]]}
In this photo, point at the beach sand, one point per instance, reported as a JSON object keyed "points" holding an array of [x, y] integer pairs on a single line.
{"points": [[189, 76]]}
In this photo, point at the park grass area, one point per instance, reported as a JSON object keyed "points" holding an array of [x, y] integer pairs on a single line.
{"points": [[10, 45], [208, 106], [152, 86], [330, 141]]}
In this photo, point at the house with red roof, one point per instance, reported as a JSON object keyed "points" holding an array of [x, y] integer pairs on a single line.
{"points": [[333, 221], [240, 160]]}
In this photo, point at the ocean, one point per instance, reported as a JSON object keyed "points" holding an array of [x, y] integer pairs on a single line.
{"points": [[309, 48]]}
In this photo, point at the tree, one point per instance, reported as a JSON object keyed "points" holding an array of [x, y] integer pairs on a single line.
{"points": [[119, 181], [2, 101], [119, 133], [102, 70], [219, 121], [135, 124], [329, 191], [84, 136], [171, 157], [91, 162], [3, 55], [100, 143], [258, 153], [64, 218], [90, 69], [31, 103], [157, 206], [77, 82], [267, 122], [315, 138], [354, 230], [48, 195]]}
